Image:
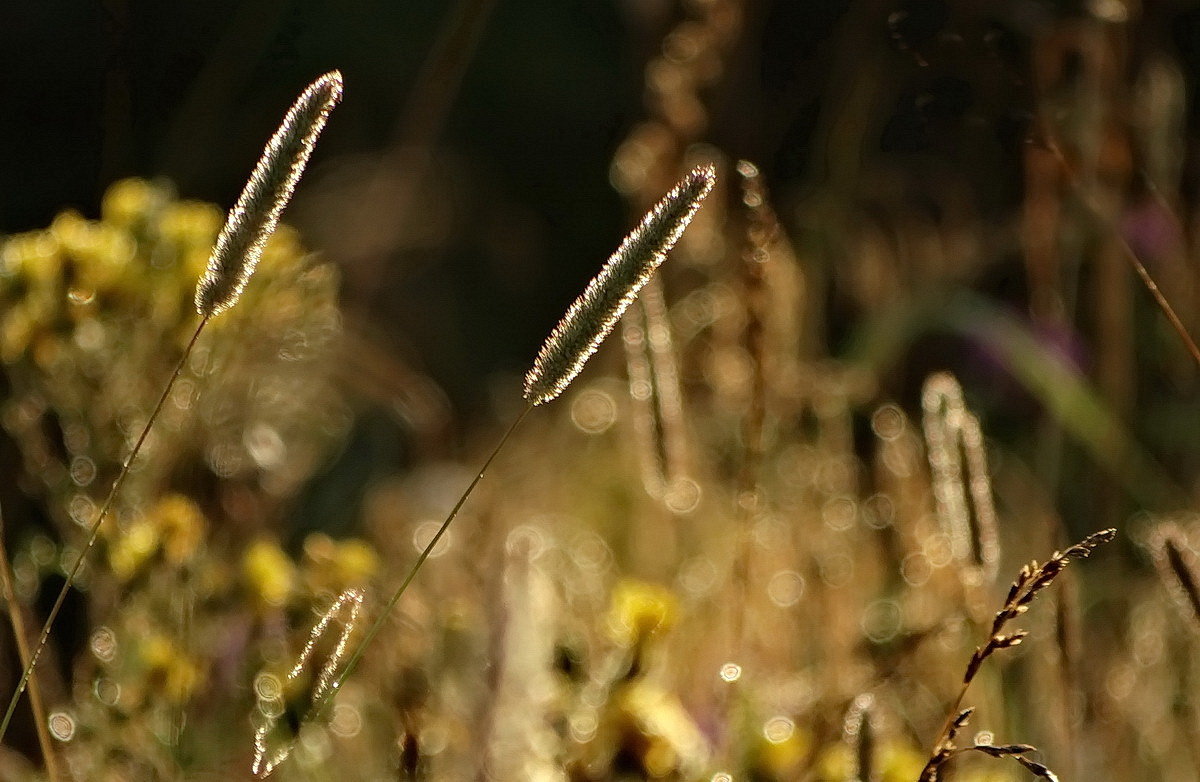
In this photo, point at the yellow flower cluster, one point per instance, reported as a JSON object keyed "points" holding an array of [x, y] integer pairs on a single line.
{"points": [[174, 527], [331, 566], [327, 567], [169, 669], [143, 258], [269, 573], [639, 611], [897, 762]]}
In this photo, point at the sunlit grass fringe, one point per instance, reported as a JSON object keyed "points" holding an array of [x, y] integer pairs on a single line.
{"points": [[593, 315], [253, 218], [236, 253], [1030, 582], [588, 320], [348, 605], [1178, 570], [962, 487], [655, 393]]}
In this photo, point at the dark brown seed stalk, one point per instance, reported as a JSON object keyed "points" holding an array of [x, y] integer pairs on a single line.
{"points": [[1032, 579]]}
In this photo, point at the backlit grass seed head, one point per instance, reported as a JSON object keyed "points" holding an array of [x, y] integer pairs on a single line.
{"points": [[1177, 567], [254, 216], [592, 316]]}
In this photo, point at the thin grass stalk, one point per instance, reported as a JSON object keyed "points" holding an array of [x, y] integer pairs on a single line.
{"points": [[858, 732], [1029, 583], [589, 319], [352, 662], [94, 531], [748, 496], [1139, 268], [349, 603], [17, 619], [646, 409]]}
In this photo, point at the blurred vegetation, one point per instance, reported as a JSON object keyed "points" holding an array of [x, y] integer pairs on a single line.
{"points": [[741, 543]]}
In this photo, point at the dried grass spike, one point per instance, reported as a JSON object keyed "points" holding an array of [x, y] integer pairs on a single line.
{"points": [[592, 316], [962, 486], [253, 218], [1176, 564]]}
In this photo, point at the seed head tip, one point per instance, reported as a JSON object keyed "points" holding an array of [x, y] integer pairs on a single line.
{"points": [[253, 218], [592, 316]]}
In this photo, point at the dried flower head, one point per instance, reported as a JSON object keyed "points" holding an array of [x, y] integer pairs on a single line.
{"points": [[592, 316], [254, 216]]}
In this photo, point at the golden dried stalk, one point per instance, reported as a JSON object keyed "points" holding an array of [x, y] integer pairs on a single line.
{"points": [[858, 732], [962, 487], [652, 365], [348, 603], [593, 315], [1029, 583]]}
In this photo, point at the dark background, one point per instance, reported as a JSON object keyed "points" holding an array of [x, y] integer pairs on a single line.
{"points": [[463, 185]]}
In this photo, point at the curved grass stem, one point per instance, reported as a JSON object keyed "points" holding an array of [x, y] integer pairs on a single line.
{"points": [[354, 658], [94, 532]]}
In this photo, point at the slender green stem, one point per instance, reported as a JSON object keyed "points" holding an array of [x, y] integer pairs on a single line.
{"points": [[94, 532], [353, 660]]}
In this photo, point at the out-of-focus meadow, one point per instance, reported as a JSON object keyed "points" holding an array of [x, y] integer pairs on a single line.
{"points": [[901, 351]]}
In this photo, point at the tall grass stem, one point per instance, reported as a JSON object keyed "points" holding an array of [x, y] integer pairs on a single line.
{"points": [[94, 532], [353, 660]]}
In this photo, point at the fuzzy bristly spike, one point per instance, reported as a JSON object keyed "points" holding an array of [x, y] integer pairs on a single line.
{"points": [[592, 316], [253, 218], [1177, 567]]}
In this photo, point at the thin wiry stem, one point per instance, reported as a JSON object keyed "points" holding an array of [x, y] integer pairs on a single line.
{"points": [[94, 532], [354, 658], [16, 617], [592, 316], [1030, 582], [1159, 298]]}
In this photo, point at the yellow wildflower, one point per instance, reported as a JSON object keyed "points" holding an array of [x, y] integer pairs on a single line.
{"points": [[268, 572], [640, 610], [189, 224], [332, 565], [782, 747], [127, 201], [171, 670], [900, 762], [670, 741], [181, 525], [132, 548]]}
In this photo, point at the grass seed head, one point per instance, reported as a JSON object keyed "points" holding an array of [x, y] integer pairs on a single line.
{"points": [[1177, 568], [253, 218], [592, 316]]}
